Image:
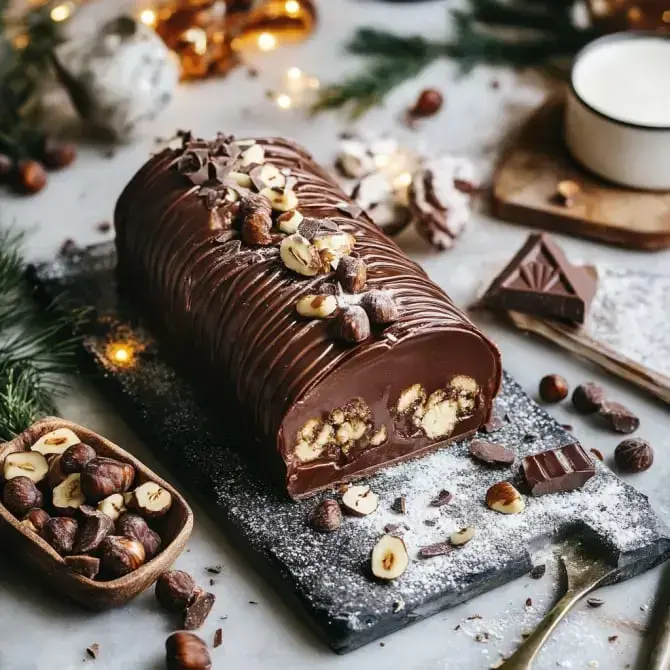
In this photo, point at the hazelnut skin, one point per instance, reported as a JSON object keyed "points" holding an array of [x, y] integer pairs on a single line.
{"points": [[36, 518], [21, 495], [136, 528], [553, 388], [31, 176], [60, 532], [120, 556], [74, 458], [101, 477], [175, 590], [95, 527], [186, 651]]}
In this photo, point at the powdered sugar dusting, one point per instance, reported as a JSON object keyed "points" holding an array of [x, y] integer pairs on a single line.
{"points": [[631, 314]]}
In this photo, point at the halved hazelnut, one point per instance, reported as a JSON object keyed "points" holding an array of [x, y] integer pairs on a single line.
{"points": [[360, 500], [282, 200], [462, 536], [113, 506], [334, 246], [503, 497], [317, 306], [440, 416], [255, 154], [31, 464], [241, 178], [288, 222], [267, 176], [352, 273], [55, 442], [68, 496], [389, 558], [152, 500], [299, 255]]}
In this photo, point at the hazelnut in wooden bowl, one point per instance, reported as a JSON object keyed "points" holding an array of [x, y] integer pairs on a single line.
{"points": [[94, 522]]}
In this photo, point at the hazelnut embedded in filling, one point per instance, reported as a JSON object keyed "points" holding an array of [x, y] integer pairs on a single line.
{"points": [[350, 429]]}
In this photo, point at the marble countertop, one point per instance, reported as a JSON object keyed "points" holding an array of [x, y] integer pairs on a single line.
{"points": [[259, 630]]}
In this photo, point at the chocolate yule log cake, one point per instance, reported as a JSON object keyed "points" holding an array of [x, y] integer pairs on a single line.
{"points": [[333, 350]]}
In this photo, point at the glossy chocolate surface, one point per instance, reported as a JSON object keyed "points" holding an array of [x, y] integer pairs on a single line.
{"points": [[558, 470], [230, 316]]}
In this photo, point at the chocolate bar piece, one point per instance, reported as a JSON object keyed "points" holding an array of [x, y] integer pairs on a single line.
{"points": [[540, 281], [558, 470], [331, 350]]}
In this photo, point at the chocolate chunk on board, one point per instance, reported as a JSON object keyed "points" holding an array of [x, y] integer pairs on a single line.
{"points": [[619, 418], [558, 470], [491, 453], [541, 281], [196, 614]]}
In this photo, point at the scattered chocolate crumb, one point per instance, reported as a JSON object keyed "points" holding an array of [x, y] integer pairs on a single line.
{"points": [[68, 247], [214, 569], [612, 638], [93, 650], [495, 84], [567, 426], [104, 227], [442, 498], [437, 549], [473, 617], [529, 437], [495, 424], [482, 637], [253, 602], [224, 617], [457, 627], [595, 602], [619, 418], [109, 153], [529, 602], [597, 453], [399, 505], [212, 582], [538, 571], [395, 528], [429, 522], [252, 72], [382, 644], [218, 638]]}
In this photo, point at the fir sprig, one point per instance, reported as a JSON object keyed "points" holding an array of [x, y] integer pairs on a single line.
{"points": [[541, 35], [36, 349]]}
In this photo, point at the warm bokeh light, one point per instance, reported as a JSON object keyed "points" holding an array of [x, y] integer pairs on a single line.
{"points": [[292, 7], [267, 41], [121, 354], [382, 160], [148, 17], [403, 180], [294, 73], [198, 38], [284, 101], [313, 82], [61, 12]]}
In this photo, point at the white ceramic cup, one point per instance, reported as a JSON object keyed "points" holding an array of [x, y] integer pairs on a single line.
{"points": [[617, 121]]}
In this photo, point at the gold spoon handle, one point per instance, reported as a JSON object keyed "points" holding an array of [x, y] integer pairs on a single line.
{"points": [[523, 657]]}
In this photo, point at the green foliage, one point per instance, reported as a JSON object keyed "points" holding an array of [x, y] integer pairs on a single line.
{"points": [[518, 33], [35, 349]]}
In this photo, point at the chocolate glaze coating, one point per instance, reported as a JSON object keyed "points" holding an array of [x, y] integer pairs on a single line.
{"points": [[231, 318]]}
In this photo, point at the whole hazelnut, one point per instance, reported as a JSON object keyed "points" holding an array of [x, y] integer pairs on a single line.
{"points": [[60, 532], [74, 458], [352, 273], [429, 102], [588, 398], [35, 519], [31, 176], [175, 590], [101, 477], [120, 556], [186, 651], [57, 155], [553, 388], [21, 495], [634, 455], [352, 324], [326, 516], [380, 307], [135, 527]]}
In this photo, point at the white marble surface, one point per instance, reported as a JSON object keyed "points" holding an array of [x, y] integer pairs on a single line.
{"points": [[38, 631]]}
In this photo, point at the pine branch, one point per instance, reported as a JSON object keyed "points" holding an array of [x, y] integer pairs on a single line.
{"points": [[36, 349]]}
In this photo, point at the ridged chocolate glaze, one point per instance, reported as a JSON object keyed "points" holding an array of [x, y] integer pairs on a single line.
{"points": [[231, 317]]}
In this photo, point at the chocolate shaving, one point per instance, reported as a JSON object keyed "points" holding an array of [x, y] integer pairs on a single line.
{"points": [[93, 650], [309, 228], [219, 168], [438, 549], [491, 453], [399, 505], [494, 425], [443, 498], [218, 638], [214, 569]]}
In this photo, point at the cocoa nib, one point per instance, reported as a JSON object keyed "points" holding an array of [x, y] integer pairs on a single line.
{"points": [[491, 453], [438, 549], [442, 498]]}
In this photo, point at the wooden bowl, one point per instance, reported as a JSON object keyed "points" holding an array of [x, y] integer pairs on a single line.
{"points": [[31, 549]]}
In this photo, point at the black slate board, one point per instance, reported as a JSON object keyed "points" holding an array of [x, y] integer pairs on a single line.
{"points": [[329, 573]]}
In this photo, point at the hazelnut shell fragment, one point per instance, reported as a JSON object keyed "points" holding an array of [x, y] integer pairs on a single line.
{"points": [[60, 533], [175, 590], [186, 651], [389, 558], [93, 529], [120, 556], [86, 566], [101, 477], [20, 495]]}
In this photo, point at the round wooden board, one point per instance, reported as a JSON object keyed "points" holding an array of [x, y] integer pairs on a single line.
{"points": [[524, 191]]}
